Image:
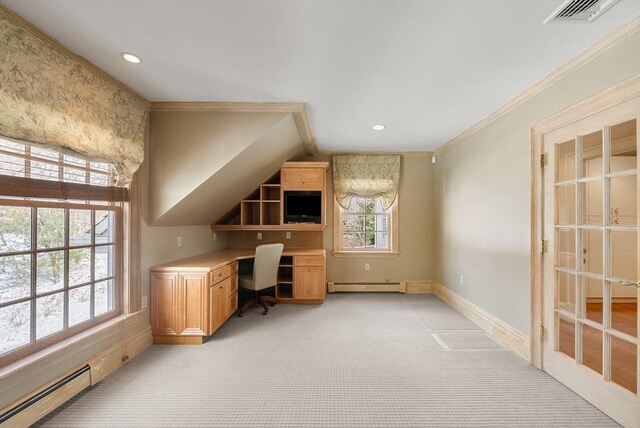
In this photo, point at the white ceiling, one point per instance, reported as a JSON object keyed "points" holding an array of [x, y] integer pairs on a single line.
{"points": [[426, 69]]}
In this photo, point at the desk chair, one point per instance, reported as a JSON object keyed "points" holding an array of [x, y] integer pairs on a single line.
{"points": [[264, 277]]}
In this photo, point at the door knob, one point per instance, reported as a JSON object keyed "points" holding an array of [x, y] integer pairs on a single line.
{"points": [[629, 284]]}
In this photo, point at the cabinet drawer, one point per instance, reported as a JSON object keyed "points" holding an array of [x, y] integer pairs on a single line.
{"points": [[302, 178], [222, 284], [220, 274], [308, 261]]}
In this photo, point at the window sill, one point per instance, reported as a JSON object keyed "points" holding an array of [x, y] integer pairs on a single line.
{"points": [[366, 254], [58, 352]]}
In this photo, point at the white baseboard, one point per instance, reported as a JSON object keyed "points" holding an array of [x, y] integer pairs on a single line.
{"points": [[510, 337]]}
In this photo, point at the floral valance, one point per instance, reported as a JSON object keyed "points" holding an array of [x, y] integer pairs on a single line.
{"points": [[49, 98], [366, 175]]}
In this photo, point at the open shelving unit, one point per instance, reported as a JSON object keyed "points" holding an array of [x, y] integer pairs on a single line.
{"points": [[284, 287], [263, 208]]}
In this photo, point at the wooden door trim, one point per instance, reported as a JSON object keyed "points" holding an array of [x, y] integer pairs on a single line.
{"points": [[604, 100]]}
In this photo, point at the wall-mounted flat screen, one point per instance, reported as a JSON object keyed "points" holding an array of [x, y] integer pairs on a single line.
{"points": [[302, 207]]}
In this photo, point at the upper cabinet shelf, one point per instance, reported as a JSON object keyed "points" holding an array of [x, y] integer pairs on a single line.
{"points": [[292, 199]]}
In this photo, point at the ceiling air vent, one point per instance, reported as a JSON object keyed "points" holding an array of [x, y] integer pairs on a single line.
{"points": [[580, 10]]}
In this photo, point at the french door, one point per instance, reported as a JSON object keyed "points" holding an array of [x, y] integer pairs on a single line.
{"points": [[591, 263]]}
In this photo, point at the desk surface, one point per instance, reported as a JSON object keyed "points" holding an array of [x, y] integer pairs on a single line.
{"points": [[210, 261]]}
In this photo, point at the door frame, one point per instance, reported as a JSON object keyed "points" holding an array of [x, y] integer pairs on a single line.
{"points": [[604, 100]]}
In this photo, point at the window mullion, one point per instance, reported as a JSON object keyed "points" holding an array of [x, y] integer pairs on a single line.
{"points": [[65, 310], [27, 162], [92, 264], [34, 245]]}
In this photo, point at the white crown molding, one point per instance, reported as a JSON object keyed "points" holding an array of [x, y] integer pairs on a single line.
{"points": [[612, 39]]}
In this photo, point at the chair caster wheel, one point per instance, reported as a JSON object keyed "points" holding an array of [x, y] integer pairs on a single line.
{"points": [[272, 304], [240, 315], [265, 312]]}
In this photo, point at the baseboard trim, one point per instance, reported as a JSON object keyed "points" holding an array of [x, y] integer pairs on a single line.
{"points": [[406, 286], [102, 365], [419, 287], [114, 357], [45, 404], [510, 337], [365, 286]]}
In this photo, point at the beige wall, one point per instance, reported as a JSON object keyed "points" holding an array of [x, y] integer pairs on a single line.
{"points": [[158, 245], [416, 234], [483, 197], [201, 163], [189, 147]]}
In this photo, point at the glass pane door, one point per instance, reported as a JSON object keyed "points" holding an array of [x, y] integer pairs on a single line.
{"points": [[596, 252]]}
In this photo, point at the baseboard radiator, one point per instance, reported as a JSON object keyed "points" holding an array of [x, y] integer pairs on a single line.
{"points": [[368, 287], [29, 411]]}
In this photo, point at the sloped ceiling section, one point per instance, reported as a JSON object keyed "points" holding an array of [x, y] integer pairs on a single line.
{"points": [[203, 163]]}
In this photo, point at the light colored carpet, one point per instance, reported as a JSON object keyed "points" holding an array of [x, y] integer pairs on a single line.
{"points": [[357, 360]]}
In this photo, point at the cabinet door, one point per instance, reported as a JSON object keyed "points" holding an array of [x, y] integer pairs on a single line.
{"points": [[308, 283], [164, 304], [219, 304], [302, 178], [193, 305], [233, 295]]}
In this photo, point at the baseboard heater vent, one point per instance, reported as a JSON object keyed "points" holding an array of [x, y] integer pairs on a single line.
{"points": [[367, 287], [44, 401]]}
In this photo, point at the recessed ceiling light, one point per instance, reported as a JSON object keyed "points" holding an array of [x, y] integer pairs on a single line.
{"points": [[134, 59], [377, 127]]}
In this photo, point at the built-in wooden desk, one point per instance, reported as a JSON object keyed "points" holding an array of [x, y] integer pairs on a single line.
{"points": [[191, 298]]}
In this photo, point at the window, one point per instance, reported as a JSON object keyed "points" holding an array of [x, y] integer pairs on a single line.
{"points": [[20, 160], [365, 227], [60, 261]]}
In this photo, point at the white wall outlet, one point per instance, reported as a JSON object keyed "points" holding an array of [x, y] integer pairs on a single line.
{"points": [[259, 236], [143, 303], [215, 236], [179, 241], [366, 266], [461, 280], [288, 235]]}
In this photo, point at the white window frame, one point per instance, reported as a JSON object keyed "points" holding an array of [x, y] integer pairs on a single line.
{"points": [[392, 230], [121, 241]]}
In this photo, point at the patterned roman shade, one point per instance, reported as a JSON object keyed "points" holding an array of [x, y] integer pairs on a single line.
{"points": [[366, 175], [49, 98]]}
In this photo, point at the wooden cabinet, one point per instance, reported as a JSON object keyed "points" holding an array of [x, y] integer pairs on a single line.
{"points": [[308, 283], [218, 302], [308, 278], [302, 177], [263, 209], [192, 298], [233, 295], [192, 304], [188, 306], [164, 304]]}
